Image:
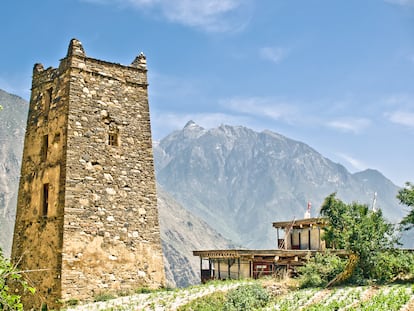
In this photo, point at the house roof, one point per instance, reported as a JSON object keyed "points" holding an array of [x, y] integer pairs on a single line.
{"points": [[251, 253], [300, 223]]}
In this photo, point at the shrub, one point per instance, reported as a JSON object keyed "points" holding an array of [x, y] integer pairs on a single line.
{"points": [[72, 302], [103, 297], [319, 270], [211, 302], [246, 297], [143, 290], [9, 274], [393, 264]]}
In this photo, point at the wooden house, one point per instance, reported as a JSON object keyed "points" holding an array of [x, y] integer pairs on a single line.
{"points": [[296, 240]]}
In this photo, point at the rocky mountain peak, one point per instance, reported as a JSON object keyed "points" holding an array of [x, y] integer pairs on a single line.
{"points": [[239, 180]]}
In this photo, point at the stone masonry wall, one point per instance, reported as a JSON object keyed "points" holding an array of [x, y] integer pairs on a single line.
{"points": [[37, 242], [111, 215], [100, 232]]}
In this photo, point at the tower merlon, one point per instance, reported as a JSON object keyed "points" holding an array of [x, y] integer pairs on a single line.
{"points": [[140, 61], [75, 48]]}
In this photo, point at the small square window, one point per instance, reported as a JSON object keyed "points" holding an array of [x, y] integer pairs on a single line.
{"points": [[113, 139], [56, 139]]}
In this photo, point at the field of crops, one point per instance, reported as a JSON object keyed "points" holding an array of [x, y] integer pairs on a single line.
{"points": [[388, 298], [351, 298]]}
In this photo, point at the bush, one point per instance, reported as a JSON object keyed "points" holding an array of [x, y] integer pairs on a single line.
{"points": [[211, 302], [9, 274], [246, 297], [72, 302], [103, 297], [393, 264], [321, 269]]}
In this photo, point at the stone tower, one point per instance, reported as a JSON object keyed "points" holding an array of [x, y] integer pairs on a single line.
{"points": [[87, 218]]}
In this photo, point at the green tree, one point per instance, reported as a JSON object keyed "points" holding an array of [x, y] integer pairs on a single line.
{"points": [[8, 274], [356, 228], [406, 197]]}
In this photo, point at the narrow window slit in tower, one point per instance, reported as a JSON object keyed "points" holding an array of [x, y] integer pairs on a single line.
{"points": [[45, 147], [48, 100], [45, 204]]}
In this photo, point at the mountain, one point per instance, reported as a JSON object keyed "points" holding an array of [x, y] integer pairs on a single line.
{"points": [[181, 233], [12, 128], [240, 181]]}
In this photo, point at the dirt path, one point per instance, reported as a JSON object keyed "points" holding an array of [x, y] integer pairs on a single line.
{"points": [[410, 305]]}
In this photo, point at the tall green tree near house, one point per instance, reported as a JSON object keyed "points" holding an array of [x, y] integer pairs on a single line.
{"points": [[406, 197], [360, 230]]}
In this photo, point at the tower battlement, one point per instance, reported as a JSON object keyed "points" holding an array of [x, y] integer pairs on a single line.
{"points": [[87, 217]]}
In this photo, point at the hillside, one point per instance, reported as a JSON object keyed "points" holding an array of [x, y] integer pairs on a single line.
{"points": [[12, 127], [181, 233], [240, 181]]}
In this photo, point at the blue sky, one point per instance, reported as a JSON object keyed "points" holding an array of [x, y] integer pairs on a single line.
{"points": [[335, 74]]}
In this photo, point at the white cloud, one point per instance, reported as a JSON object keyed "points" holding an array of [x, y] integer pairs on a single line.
{"points": [[401, 2], [261, 107], [353, 162], [352, 125], [273, 54], [401, 109], [208, 15], [402, 117], [401, 101]]}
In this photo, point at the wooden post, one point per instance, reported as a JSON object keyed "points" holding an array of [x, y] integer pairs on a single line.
{"points": [[201, 269], [218, 267], [228, 268], [309, 239], [238, 268], [277, 238], [319, 238]]}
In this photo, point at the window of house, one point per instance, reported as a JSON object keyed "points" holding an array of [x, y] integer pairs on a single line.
{"points": [[45, 199], [45, 147]]}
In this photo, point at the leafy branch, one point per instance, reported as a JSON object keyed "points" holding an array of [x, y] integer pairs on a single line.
{"points": [[9, 274]]}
